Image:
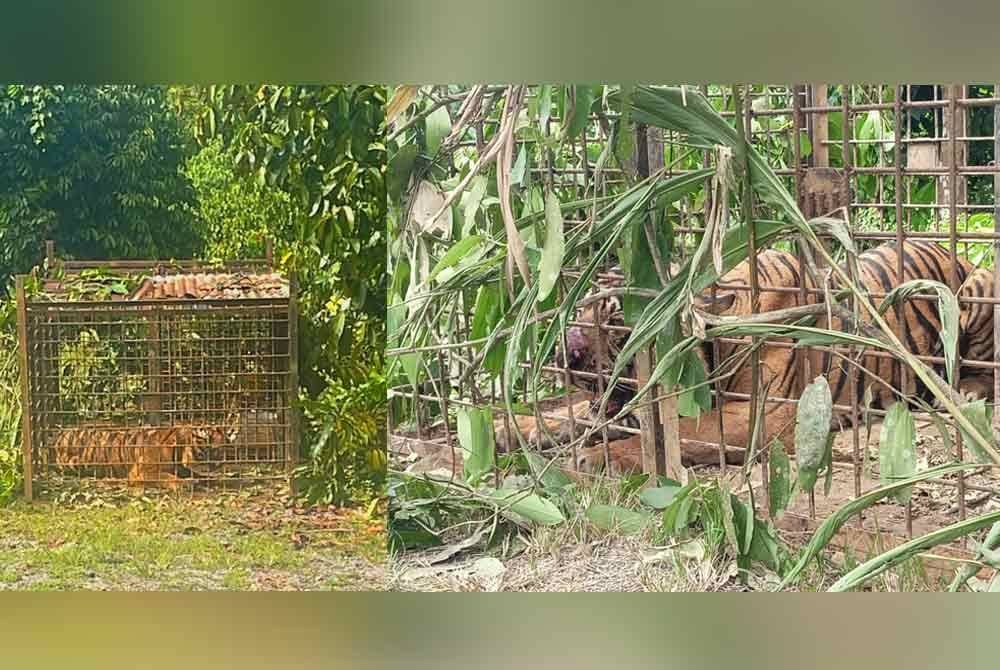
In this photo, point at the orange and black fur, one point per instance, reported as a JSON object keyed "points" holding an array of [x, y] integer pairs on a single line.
{"points": [[152, 456], [781, 368]]}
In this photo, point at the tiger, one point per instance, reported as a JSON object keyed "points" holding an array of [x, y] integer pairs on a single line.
{"points": [[781, 367], [976, 334], [581, 355], [151, 456]]}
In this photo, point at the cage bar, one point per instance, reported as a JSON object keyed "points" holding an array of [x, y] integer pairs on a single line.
{"points": [[179, 375]]}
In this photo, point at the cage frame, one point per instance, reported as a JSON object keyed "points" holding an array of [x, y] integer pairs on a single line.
{"points": [[288, 432]]}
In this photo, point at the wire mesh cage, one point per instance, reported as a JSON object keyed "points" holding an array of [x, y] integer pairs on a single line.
{"points": [[178, 376], [900, 165]]}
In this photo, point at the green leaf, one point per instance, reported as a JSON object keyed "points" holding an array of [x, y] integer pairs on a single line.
{"points": [[615, 518], [548, 474], [812, 430], [437, 125], [697, 397], [471, 202], [659, 497], [520, 165], [805, 144], [975, 412], [757, 537], [475, 434], [544, 107], [453, 256], [552, 253], [897, 449], [676, 516], [411, 366], [624, 137], [531, 506], [487, 312], [779, 478], [947, 307], [583, 100], [400, 169]]}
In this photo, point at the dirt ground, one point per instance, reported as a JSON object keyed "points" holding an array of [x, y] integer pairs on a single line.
{"points": [[219, 542], [624, 564]]}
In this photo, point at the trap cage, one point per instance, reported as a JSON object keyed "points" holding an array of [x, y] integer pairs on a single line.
{"points": [[898, 162], [178, 375]]}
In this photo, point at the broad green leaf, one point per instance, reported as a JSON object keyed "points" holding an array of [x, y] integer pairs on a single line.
{"points": [[676, 514], [805, 144], [697, 397], [471, 202], [520, 165], [531, 506], [400, 168], [976, 413], [758, 538], [779, 488], [583, 100], [487, 312], [624, 137], [615, 518], [659, 497], [897, 449], [437, 126], [640, 270], [412, 366], [458, 251], [544, 107], [475, 434], [812, 428], [549, 474], [552, 253]]}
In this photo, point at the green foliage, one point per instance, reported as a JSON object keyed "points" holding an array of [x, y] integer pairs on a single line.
{"points": [[348, 452], [323, 146], [96, 168], [10, 405], [236, 214], [305, 165]]}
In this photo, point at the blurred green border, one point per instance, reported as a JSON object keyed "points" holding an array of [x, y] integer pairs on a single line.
{"points": [[513, 40]]}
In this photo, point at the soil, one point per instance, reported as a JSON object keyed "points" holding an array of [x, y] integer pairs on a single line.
{"points": [[932, 506]]}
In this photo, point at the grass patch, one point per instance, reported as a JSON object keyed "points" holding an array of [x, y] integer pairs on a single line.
{"points": [[224, 542]]}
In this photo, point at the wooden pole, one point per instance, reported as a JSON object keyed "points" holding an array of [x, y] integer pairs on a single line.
{"points": [[292, 444], [22, 345], [820, 127], [646, 413]]}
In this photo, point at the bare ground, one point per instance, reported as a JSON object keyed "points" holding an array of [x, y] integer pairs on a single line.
{"points": [[550, 560]]}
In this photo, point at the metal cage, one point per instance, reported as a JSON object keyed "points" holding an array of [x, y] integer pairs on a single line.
{"points": [[184, 381], [932, 166]]}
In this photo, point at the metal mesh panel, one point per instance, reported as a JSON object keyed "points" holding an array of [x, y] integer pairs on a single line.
{"points": [[168, 393]]}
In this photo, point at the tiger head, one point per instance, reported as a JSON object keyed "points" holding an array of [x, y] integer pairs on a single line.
{"points": [[582, 344]]}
